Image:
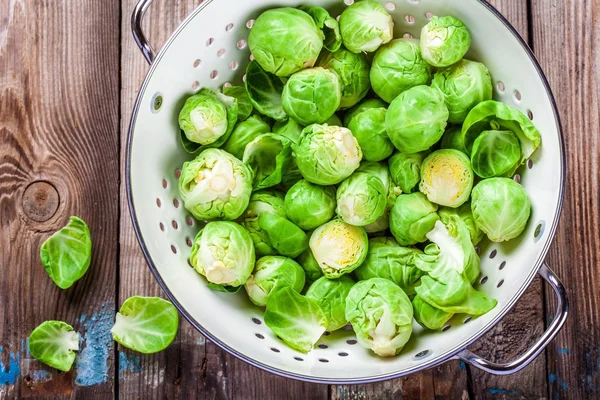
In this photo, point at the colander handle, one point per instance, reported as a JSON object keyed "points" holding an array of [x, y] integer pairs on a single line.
{"points": [[138, 34], [522, 361]]}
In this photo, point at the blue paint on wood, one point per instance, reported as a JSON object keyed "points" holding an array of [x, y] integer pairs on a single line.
{"points": [[92, 362], [40, 376], [462, 365], [561, 384], [129, 363], [551, 378], [563, 350], [508, 392], [9, 373], [200, 340]]}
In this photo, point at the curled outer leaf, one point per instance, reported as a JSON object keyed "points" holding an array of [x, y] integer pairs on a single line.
{"points": [[264, 90], [328, 24], [269, 156]]}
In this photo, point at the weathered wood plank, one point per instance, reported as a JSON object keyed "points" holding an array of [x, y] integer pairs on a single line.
{"points": [[58, 123]]}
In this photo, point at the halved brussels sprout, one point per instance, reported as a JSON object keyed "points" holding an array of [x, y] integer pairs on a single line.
{"points": [[331, 295], [272, 273], [405, 170], [411, 218], [453, 139], [365, 26], [309, 205], [339, 248], [262, 202], [245, 132], [328, 25], [215, 185], [428, 316], [416, 119], [364, 105], [447, 177], [464, 213], [496, 153], [269, 156], [501, 208], [223, 252], [54, 343], [326, 155], [240, 93], [353, 71], [381, 315], [285, 237], [312, 95], [264, 90], [397, 67], [444, 41], [368, 127], [285, 40], [361, 199]]}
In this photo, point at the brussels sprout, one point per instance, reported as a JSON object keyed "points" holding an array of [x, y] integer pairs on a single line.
{"points": [[405, 170], [312, 95], [285, 40], [291, 129], [66, 255], [453, 139], [326, 155], [245, 132], [146, 324], [444, 41], [387, 259], [361, 199], [364, 105], [285, 237], [334, 120], [365, 26], [270, 274], [368, 128], [381, 171], [328, 25], [296, 319], [447, 177], [243, 100], [353, 71], [262, 202], [495, 153], [264, 90], [54, 343], [428, 316], [331, 295], [416, 119], [464, 213], [215, 185], [310, 265], [268, 156], [464, 84], [381, 315], [339, 248], [223, 252], [500, 208], [397, 67], [309, 205], [412, 216]]}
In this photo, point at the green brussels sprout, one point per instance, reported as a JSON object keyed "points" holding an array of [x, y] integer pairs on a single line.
{"points": [[308, 205], [381, 315], [444, 41], [215, 185], [495, 153], [397, 67], [464, 84], [262, 202], [312, 95], [387, 259], [405, 170], [365, 26], [416, 119], [361, 199], [353, 71], [264, 90], [145, 324], [428, 316], [326, 155], [310, 265], [339, 248], [411, 218], [329, 26], [464, 213], [66, 255], [368, 127], [291, 129], [331, 295], [500, 208], [334, 120], [271, 273], [54, 344], [240, 93], [296, 319], [381, 171], [223, 252], [453, 139], [364, 105], [285, 237], [285, 40], [447, 177], [243, 133], [268, 156]]}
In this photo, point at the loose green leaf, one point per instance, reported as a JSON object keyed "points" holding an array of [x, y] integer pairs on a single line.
{"points": [[241, 95], [264, 90], [328, 24], [269, 156], [54, 343]]}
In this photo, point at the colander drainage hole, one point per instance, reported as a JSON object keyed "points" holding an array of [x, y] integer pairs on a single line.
{"points": [[428, 15], [500, 283], [210, 41], [422, 354], [250, 24], [275, 350], [221, 53], [502, 265], [477, 250], [226, 85], [343, 354], [298, 358], [161, 226], [409, 18], [241, 44], [467, 320], [493, 253], [517, 178], [539, 231], [323, 360], [189, 221], [530, 115], [164, 183], [348, 2], [174, 224], [176, 203], [483, 280], [256, 321], [258, 335], [177, 173], [228, 27], [351, 341], [390, 6], [158, 202], [322, 346], [174, 249], [197, 63], [530, 163], [446, 327], [500, 87], [407, 36], [188, 242], [517, 96], [195, 85], [347, 327], [214, 74], [233, 65], [156, 104]]}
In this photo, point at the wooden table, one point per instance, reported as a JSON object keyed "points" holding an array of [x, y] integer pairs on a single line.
{"points": [[69, 73]]}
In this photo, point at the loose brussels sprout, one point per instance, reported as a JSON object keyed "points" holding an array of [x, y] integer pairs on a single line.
{"points": [[365, 26], [453, 139], [264, 90], [331, 295], [368, 127], [411, 218], [364, 105], [54, 344], [66, 255], [361, 199], [381, 315], [326, 155], [328, 25], [310, 265], [353, 71], [262, 202], [387, 259], [381, 171], [240, 93], [146, 324], [270, 274], [495, 153], [405, 170], [416, 119], [464, 213], [291, 129], [397, 67], [309, 205], [501, 208], [223, 252], [312, 95], [444, 41], [334, 120], [269, 156], [464, 84], [339, 248], [245, 132], [428, 316], [285, 40], [215, 185], [285, 237], [447, 177]]}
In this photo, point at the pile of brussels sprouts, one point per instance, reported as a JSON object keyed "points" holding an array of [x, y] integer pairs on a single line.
{"points": [[351, 178]]}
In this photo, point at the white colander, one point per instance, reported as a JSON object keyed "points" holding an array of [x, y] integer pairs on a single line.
{"points": [[209, 49]]}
